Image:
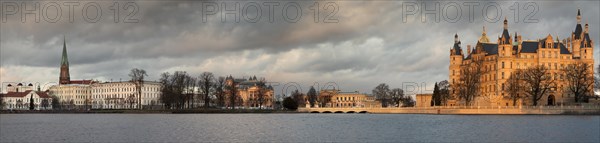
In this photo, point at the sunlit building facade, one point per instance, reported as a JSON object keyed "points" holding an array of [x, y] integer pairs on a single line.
{"points": [[500, 59]]}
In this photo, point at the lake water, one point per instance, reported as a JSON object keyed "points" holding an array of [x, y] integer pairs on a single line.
{"points": [[296, 128]]}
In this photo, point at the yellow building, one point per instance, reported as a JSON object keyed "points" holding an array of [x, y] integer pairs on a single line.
{"points": [[500, 59], [336, 99], [248, 93], [423, 100]]}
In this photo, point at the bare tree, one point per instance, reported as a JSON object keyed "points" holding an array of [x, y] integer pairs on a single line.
{"points": [[232, 91], [2, 103], [190, 90], [470, 81], [206, 82], [382, 93], [312, 96], [131, 100], [166, 96], [56, 102], [137, 78], [579, 78], [396, 95], [444, 91], [514, 86], [219, 91], [408, 101], [538, 82], [598, 78], [299, 97], [45, 103], [177, 89], [261, 93]]}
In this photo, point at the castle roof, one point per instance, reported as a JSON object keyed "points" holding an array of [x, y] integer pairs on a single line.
{"points": [[532, 47], [505, 36], [457, 48], [529, 46], [490, 48], [586, 40], [563, 49]]}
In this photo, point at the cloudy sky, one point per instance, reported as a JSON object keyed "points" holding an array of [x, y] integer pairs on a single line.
{"points": [[355, 44]]}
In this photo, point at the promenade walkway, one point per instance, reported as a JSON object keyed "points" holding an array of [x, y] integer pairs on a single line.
{"points": [[464, 110]]}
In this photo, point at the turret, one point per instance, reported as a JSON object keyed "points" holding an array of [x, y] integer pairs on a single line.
{"points": [[577, 37], [586, 30], [505, 38], [456, 38], [504, 42]]}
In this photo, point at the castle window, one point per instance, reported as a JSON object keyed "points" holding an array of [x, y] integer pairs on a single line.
{"points": [[502, 64]]}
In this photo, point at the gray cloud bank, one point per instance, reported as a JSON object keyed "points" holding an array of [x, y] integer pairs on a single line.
{"points": [[369, 43]]}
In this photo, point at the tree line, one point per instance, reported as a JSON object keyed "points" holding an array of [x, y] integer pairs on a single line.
{"points": [[392, 97]]}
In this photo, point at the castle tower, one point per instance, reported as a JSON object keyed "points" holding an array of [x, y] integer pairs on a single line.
{"points": [[577, 37], [456, 59], [588, 44], [505, 42], [65, 77]]}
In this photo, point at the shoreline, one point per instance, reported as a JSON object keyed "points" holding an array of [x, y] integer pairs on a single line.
{"points": [[255, 111]]}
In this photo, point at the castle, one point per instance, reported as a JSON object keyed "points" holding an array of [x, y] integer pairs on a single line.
{"points": [[498, 60]]}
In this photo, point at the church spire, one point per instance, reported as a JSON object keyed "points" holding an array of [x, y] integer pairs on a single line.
{"points": [[65, 59], [64, 77]]}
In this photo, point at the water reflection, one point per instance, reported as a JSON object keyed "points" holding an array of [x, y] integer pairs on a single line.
{"points": [[296, 128]]}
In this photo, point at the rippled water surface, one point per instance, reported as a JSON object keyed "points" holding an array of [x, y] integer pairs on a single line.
{"points": [[296, 128]]}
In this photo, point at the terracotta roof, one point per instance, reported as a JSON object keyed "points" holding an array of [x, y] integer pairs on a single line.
{"points": [[81, 82], [23, 94], [43, 94]]}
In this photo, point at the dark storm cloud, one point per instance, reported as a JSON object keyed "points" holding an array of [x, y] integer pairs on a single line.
{"points": [[369, 44]]}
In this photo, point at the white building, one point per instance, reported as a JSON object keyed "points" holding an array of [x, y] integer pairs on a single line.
{"points": [[89, 94], [123, 95], [107, 95], [71, 95], [18, 98]]}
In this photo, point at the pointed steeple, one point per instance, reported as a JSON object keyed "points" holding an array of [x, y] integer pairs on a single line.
{"points": [[456, 38], [578, 16], [505, 23], [64, 77], [65, 59]]}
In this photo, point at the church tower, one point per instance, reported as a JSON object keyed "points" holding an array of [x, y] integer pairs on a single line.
{"points": [[64, 65]]}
